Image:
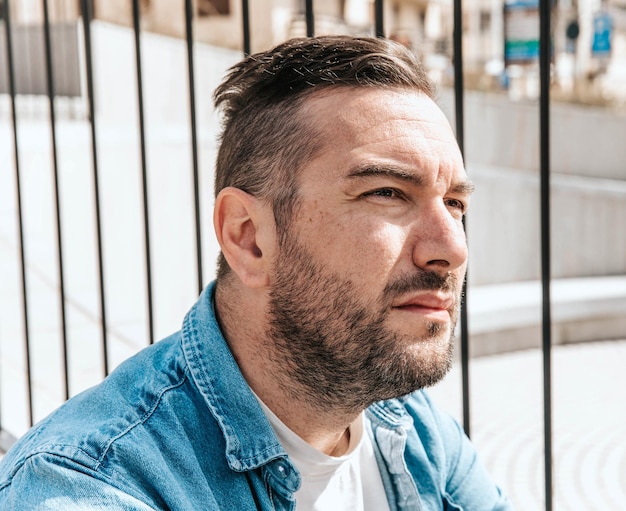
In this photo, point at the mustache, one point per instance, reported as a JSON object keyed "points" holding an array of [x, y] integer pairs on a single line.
{"points": [[421, 281]]}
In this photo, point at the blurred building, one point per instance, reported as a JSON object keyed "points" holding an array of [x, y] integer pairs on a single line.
{"points": [[424, 25]]}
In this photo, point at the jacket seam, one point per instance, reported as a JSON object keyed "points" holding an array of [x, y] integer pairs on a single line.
{"points": [[141, 420], [97, 474]]}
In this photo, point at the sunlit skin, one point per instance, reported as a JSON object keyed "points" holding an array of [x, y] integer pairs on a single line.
{"points": [[381, 203]]}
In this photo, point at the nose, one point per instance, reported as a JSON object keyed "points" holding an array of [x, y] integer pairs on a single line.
{"points": [[440, 244]]}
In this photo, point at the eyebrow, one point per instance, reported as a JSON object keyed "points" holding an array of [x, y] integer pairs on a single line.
{"points": [[462, 187]]}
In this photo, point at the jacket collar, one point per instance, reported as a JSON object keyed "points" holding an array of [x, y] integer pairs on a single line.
{"points": [[390, 414], [250, 439]]}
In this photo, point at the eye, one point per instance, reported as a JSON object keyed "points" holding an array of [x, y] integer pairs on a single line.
{"points": [[388, 193], [456, 204]]}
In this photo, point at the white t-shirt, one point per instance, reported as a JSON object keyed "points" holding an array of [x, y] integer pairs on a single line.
{"points": [[349, 482]]}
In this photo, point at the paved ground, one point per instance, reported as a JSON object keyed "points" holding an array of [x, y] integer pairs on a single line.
{"points": [[589, 423]]}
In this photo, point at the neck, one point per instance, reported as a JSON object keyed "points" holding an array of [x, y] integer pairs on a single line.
{"points": [[241, 317]]}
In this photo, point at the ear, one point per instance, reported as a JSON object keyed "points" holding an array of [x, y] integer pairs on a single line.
{"points": [[244, 226]]}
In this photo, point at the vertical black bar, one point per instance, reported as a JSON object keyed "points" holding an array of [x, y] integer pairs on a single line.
{"points": [[245, 20], [144, 172], [57, 201], [545, 50], [194, 141], [465, 356], [459, 116], [379, 20], [86, 8], [20, 216], [459, 85], [309, 15]]}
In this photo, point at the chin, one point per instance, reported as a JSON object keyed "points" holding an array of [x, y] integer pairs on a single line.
{"points": [[437, 333]]}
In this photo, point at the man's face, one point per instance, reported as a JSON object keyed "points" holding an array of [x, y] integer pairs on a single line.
{"points": [[366, 286]]}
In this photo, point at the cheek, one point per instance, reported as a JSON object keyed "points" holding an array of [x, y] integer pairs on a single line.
{"points": [[367, 249]]}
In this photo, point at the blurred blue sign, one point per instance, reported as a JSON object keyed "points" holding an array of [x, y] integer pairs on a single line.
{"points": [[602, 28], [521, 31]]}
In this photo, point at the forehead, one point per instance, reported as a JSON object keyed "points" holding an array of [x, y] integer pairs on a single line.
{"points": [[402, 128]]}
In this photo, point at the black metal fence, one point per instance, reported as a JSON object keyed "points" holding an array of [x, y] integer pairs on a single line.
{"points": [[55, 77]]}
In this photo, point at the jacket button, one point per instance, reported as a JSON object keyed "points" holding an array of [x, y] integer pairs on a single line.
{"points": [[283, 470]]}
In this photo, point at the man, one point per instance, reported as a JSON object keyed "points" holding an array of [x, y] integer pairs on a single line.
{"points": [[340, 193]]}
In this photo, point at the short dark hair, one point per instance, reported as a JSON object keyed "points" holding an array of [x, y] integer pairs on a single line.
{"points": [[265, 140]]}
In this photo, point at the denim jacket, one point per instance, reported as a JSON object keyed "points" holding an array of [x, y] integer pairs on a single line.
{"points": [[176, 427]]}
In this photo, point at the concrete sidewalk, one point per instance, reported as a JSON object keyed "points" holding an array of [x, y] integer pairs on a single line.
{"points": [[588, 415]]}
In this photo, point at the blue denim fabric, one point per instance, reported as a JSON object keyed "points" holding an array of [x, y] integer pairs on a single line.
{"points": [[176, 427]]}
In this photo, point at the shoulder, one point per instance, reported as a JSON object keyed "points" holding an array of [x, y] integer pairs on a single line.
{"points": [[53, 483], [441, 458], [431, 421], [79, 436]]}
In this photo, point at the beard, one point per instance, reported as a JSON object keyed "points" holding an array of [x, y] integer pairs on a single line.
{"points": [[339, 351]]}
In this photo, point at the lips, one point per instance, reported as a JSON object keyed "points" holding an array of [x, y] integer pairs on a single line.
{"points": [[427, 303], [428, 300]]}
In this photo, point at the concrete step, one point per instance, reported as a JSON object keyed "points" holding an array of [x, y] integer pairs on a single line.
{"points": [[508, 317]]}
